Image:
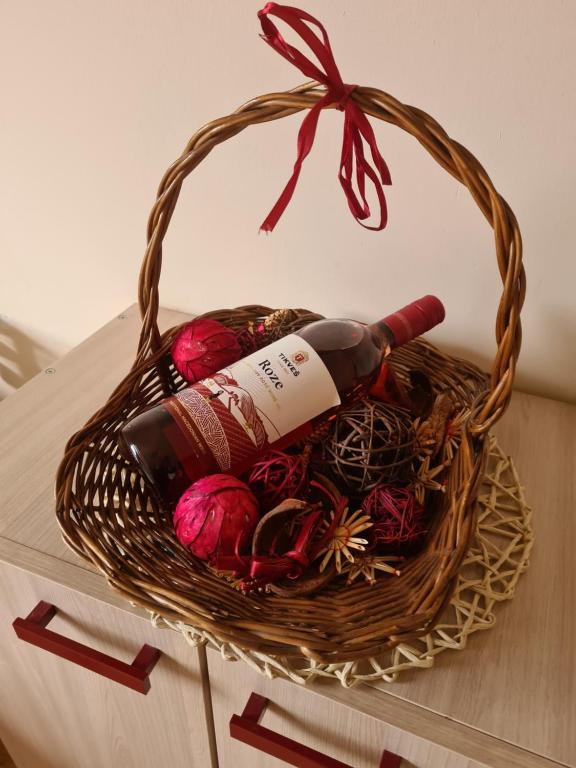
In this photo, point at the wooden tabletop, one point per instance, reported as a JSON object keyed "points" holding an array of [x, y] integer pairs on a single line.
{"points": [[513, 685]]}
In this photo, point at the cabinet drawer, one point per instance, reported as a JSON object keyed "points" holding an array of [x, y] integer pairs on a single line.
{"points": [[56, 714], [313, 721]]}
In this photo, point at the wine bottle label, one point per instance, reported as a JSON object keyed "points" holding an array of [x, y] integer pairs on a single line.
{"points": [[240, 411]]}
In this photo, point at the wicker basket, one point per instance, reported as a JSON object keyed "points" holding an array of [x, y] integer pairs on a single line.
{"points": [[109, 517]]}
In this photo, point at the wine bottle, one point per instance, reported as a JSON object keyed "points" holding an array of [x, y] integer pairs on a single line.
{"points": [[269, 399]]}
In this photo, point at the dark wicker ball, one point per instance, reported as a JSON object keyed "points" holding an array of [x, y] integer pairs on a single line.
{"points": [[369, 443]]}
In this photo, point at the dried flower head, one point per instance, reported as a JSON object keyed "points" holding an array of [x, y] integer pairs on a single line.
{"points": [[428, 479], [342, 530], [453, 439], [367, 565], [431, 432]]}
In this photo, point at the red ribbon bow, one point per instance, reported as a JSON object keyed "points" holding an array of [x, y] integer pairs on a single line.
{"points": [[357, 129]]}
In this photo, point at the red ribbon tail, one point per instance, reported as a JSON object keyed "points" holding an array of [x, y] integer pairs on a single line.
{"points": [[280, 206], [306, 136], [367, 132], [357, 129], [267, 570]]}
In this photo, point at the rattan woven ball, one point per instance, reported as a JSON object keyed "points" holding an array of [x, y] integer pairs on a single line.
{"points": [[278, 476], [369, 443]]}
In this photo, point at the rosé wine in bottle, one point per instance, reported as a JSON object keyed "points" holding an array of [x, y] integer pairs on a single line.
{"points": [[269, 399]]}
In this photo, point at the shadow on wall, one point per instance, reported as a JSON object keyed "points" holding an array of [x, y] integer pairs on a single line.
{"points": [[20, 358]]}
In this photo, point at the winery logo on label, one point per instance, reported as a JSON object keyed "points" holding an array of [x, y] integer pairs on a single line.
{"points": [[294, 361], [300, 357]]}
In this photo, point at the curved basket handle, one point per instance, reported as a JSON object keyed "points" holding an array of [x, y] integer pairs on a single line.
{"points": [[451, 155]]}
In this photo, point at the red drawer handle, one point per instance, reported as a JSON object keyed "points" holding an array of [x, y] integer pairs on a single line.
{"points": [[33, 630], [246, 728]]}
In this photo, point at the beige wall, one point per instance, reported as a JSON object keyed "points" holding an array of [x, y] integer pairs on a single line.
{"points": [[97, 99]]}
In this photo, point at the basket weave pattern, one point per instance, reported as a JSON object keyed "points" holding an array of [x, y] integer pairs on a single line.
{"points": [[108, 515]]}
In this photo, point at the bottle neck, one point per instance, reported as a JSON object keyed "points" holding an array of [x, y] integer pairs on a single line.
{"points": [[409, 322], [384, 336]]}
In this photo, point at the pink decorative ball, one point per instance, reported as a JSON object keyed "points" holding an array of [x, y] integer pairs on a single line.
{"points": [[203, 347], [399, 518], [279, 476], [216, 517]]}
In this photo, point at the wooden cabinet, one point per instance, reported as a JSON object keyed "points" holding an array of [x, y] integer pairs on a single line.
{"points": [[506, 702], [298, 713], [56, 714]]}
